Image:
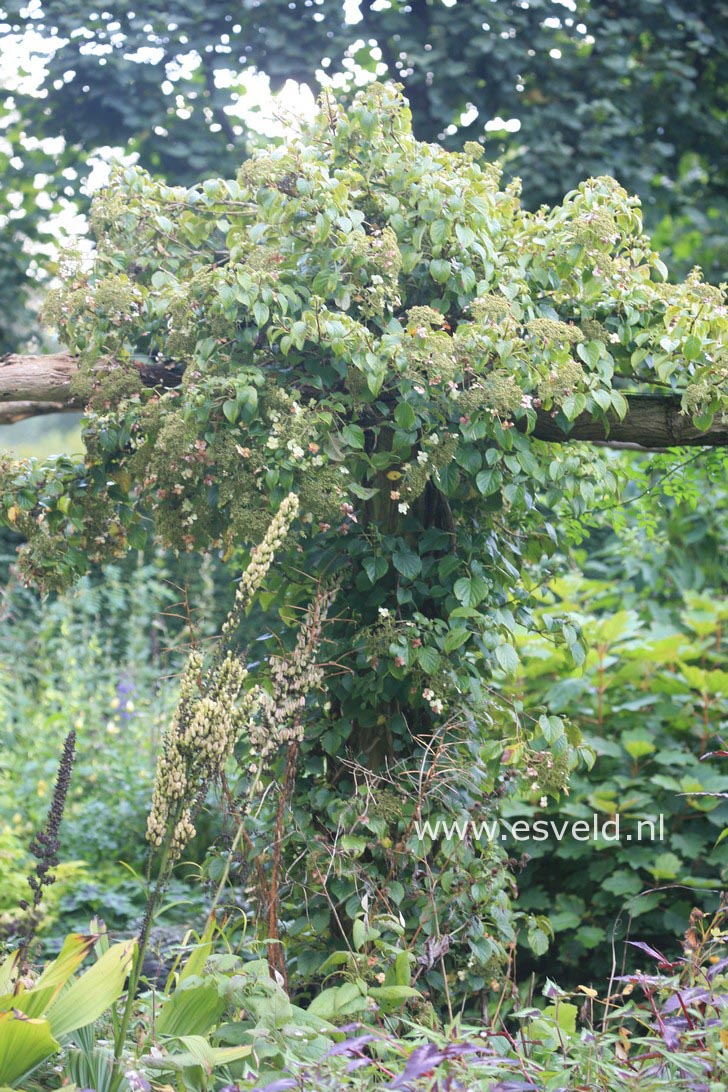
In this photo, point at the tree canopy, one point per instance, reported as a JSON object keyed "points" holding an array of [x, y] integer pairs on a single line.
{"points": [[633, 90]]}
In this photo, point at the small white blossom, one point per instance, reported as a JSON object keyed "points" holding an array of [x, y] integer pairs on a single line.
{"points": [[403, 507]]}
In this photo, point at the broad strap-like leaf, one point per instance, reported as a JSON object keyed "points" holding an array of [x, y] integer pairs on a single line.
{"points": [[8, 972], [24, 1044], [94, 992], [75, 948]]}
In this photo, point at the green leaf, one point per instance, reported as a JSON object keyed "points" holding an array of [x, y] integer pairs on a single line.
{"points": [[375, 567], [507, 657], [429, 659], [390, 998], [590, 352], [602, 398], [661, 268], [191, 1011], [75, 948], [565, 1016], [160, 278], [439, 270], [692, 347], [197, 1052], [94, 992], [439, 231], [346, 1000], [195, 963], [666, 866], [404, 415], [471, 590], [455, 638], [137, 537], [573, 405], [637, 745], [363, 491], [353, 435], [363, 934], [8, 971], [24, 1044], [396, 893], [489, 481], [336, 959], [538, 941], [273, 1009], [408, 563], [374, 381], [34, 1002], [358, 934], [552, 728], [465, 235], [261, 313], [620, 404], [231, 409]]}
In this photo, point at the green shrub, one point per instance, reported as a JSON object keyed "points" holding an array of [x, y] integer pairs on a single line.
{"points": [[652, 699]]}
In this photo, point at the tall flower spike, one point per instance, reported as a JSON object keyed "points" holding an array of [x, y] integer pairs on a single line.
{"points": [[293, 677], [211, 709], [46, 844], [260, 562]]}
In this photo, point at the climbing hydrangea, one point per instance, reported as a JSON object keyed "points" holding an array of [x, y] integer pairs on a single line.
{"points": [[349, 276]]}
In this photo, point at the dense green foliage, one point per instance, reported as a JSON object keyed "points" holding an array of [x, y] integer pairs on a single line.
{"points": [[371, 322], [651, 700], [222, 1019], [92, 660], [629, 89], [359, 331]]}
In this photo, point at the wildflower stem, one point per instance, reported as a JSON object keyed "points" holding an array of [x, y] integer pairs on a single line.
{"points": [[165, 867]]}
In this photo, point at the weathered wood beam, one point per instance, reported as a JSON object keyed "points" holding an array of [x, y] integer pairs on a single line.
{"points": [[12, 412], [47, 378], [37, 378], [652, 421], [33, 383]]}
